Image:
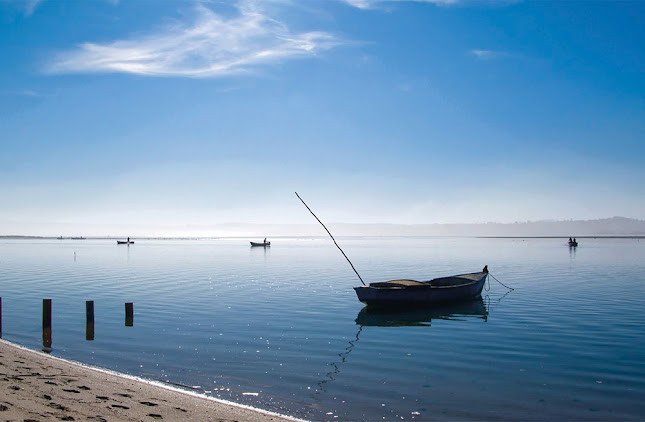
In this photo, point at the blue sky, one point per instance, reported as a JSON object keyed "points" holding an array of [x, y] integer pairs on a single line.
{"points": [[117, 113]]}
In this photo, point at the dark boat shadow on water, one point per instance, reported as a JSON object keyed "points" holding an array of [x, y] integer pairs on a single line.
{"points": [[371, 316]]}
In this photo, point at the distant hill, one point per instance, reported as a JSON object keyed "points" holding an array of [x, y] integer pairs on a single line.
{"points": [[615, 226]]}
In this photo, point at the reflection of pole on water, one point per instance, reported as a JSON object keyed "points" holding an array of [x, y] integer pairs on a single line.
{"points": [[336, 365]]}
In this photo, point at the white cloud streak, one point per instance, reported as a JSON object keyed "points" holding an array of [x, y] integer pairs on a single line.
{"points": [[22, 93], [31, 6], [211, 46], [28, 6], [371, 4], [488, 54]]}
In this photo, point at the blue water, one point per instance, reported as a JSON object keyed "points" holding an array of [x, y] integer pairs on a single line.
{"points": [[281, 328]]}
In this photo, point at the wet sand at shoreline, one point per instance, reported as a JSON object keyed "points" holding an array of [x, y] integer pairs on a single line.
{"points": [[37, 387]]}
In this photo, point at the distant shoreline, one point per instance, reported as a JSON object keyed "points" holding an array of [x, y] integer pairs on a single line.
{"points": [[562, 237], [18, 237]]}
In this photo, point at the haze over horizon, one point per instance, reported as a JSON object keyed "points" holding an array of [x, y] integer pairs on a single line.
{"points": [[124, 115], [609, 227]]}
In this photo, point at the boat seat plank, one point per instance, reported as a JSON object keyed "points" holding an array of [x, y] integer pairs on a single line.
{"points": [[398, 283]]}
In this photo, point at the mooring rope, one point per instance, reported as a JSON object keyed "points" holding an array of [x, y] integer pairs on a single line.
{"points": [[509, 288]]}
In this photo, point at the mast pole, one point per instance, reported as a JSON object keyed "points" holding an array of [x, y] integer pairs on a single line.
{"points": [[332, 238]]}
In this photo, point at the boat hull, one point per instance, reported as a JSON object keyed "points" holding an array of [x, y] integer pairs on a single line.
{"points": [[464, 287], [123, 242], [260, 244]]}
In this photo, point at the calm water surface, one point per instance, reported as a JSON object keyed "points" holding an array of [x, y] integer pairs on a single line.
{"points": [[281, 328]]}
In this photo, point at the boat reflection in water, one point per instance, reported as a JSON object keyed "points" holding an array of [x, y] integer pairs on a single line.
{"points": [[371, 316], [401, 317]]}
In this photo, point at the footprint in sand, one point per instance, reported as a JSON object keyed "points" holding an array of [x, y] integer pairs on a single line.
{"points": [[118, 406], [3, 408], [124, 395], [83, 387], [149, 403], [14, 387], [57, 406], [67, 418], [50, 383], [155, 416], [71, 391], [102, 397], [47, 397]]}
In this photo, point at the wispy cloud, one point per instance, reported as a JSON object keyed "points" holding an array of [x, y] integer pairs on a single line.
{"points": [[22, 93], [210, 46], [488, 54], [31, 6], [28, 7], [370, 4], [373, 4]]}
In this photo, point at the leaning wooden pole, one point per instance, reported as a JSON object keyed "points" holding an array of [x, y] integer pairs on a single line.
{"points": [[332, 238]]}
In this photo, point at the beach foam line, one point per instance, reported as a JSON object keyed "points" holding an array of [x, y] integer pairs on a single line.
{"points": [[37, 385]]}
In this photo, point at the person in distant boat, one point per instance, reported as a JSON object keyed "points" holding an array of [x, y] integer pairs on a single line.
{"points": [[485, 270], [265, 240], [128, 240], [570, 240], [574, 240]]}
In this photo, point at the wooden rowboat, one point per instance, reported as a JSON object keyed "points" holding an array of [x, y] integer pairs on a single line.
{"points": [[411, 292], [125, 242], [261, 244]]}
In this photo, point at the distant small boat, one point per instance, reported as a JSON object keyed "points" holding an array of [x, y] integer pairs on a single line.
{"points": [[125, 242], [78, 238], [411, 292], [261, 244], [573, 243]]}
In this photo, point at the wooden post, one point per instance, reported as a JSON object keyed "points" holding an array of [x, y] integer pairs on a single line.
{"points": [[129, 314], [47, 323], [89, 320]]}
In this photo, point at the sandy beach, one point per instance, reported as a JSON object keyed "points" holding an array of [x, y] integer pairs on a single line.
{"points": [[39, 387]]}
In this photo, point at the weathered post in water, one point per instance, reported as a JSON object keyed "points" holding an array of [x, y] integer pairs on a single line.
{"points": [[47, 323], [89, 320], [129, 311]]}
